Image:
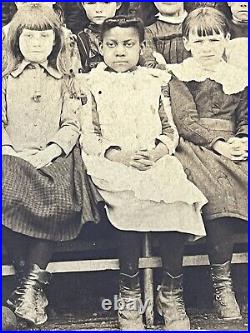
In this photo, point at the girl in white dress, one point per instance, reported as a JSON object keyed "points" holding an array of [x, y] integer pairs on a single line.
{"points": [[128, 143]]}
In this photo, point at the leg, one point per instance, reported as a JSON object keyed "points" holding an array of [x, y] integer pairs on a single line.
{"points": [[17, 248], [219, 240], [40, 252], [129, 317], [30, 257], [220, 250], [169, 300]]}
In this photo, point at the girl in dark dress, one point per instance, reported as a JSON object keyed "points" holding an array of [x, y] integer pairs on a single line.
{"points": [[214, 140], [165, 36]]}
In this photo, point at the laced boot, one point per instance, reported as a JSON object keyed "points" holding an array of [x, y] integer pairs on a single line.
{"points": [[225, 303], [130, 307], [170, 304], [28, 300], [21, 270]]}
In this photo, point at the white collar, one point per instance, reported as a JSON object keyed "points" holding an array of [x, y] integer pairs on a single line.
{"points": [[22, 66], [172, 19], [232, 79]]}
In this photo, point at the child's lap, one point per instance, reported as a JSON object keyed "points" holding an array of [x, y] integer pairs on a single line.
{"points": [[222, 181]]}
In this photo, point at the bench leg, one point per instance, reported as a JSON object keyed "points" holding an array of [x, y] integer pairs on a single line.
{"points": [[148, 283]]}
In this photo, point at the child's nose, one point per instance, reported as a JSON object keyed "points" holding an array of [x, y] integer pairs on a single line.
{"points": [[99, 7], [120, 50], [36, 41]]}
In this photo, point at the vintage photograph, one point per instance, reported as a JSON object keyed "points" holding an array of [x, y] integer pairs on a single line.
{"points": [[124, 166]]}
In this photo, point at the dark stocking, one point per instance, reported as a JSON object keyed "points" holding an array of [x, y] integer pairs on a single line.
{"points": [[219, 240], [172, 248], [27, 249], [40, 252], [130, 245]]}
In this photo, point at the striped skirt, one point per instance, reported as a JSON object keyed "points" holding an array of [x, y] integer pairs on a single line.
{"points": [[52, 203]]}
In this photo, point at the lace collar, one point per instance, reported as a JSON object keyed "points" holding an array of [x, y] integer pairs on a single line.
{"points": [[232, 79], [172, 19]]}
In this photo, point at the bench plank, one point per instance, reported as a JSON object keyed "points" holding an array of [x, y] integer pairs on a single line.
{"points": [[113, 264]]}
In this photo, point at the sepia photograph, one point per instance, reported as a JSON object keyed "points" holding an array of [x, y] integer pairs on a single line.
{"points": [[124, 166]]}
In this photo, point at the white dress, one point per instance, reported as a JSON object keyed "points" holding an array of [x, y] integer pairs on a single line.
{"points": [[123, 111]]}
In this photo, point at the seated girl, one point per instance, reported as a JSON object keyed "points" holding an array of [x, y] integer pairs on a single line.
{"points": [[214, 141], [128, 143], [47, 195]]}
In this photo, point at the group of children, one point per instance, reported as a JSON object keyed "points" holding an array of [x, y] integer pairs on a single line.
{"points": [[164, 148]]}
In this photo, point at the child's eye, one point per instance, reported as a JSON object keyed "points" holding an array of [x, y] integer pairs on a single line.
{"points": [[198, 41], [28, 35], [110, 44], [44, 35], [214, 40], [129, 44]]}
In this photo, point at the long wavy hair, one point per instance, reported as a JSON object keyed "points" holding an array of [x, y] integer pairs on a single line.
{"points": [[36, 17]]}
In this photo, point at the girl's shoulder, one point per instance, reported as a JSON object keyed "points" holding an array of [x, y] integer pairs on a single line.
{"points": [[232, 79]]}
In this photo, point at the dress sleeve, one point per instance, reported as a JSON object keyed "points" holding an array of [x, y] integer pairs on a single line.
{"points": [[6, 141], [169, 135], [242, 115], [92, 141], [186, 116], [69, 131], [147, 58]]}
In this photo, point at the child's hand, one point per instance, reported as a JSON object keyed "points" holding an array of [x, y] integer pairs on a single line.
{"points": [[8, 150], [239, 148], [44, 157], [142, 160], [120, 156], [228, 150]]}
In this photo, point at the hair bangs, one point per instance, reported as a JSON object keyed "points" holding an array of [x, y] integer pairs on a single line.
{"points": [[35, 17], [205, 21]]}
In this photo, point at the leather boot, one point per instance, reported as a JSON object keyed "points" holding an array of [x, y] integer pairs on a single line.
{"points": [[130, 312], [21, 270], [170, 304], [28, 300], [225, 303]]}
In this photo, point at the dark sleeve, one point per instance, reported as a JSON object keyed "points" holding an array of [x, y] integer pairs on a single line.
{"points": [[147, 59], [83, 44], [186, 116], [242, 115]]}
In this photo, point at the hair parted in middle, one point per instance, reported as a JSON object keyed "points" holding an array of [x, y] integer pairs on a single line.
{"points": [[205, 21], [123, 21], [36, 17]]}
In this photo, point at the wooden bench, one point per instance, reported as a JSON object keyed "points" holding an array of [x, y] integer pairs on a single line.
{"points": [[147, 262]]}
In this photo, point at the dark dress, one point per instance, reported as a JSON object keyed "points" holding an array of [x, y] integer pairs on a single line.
{"points": [[88, 42], [211, 114], [166, 39]]}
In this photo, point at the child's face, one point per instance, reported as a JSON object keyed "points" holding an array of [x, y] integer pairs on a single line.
{"points": [[169, 8], [98, 12], [207, 50], [49, 4], [35, 45], [239, 10], [121, 48]]}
